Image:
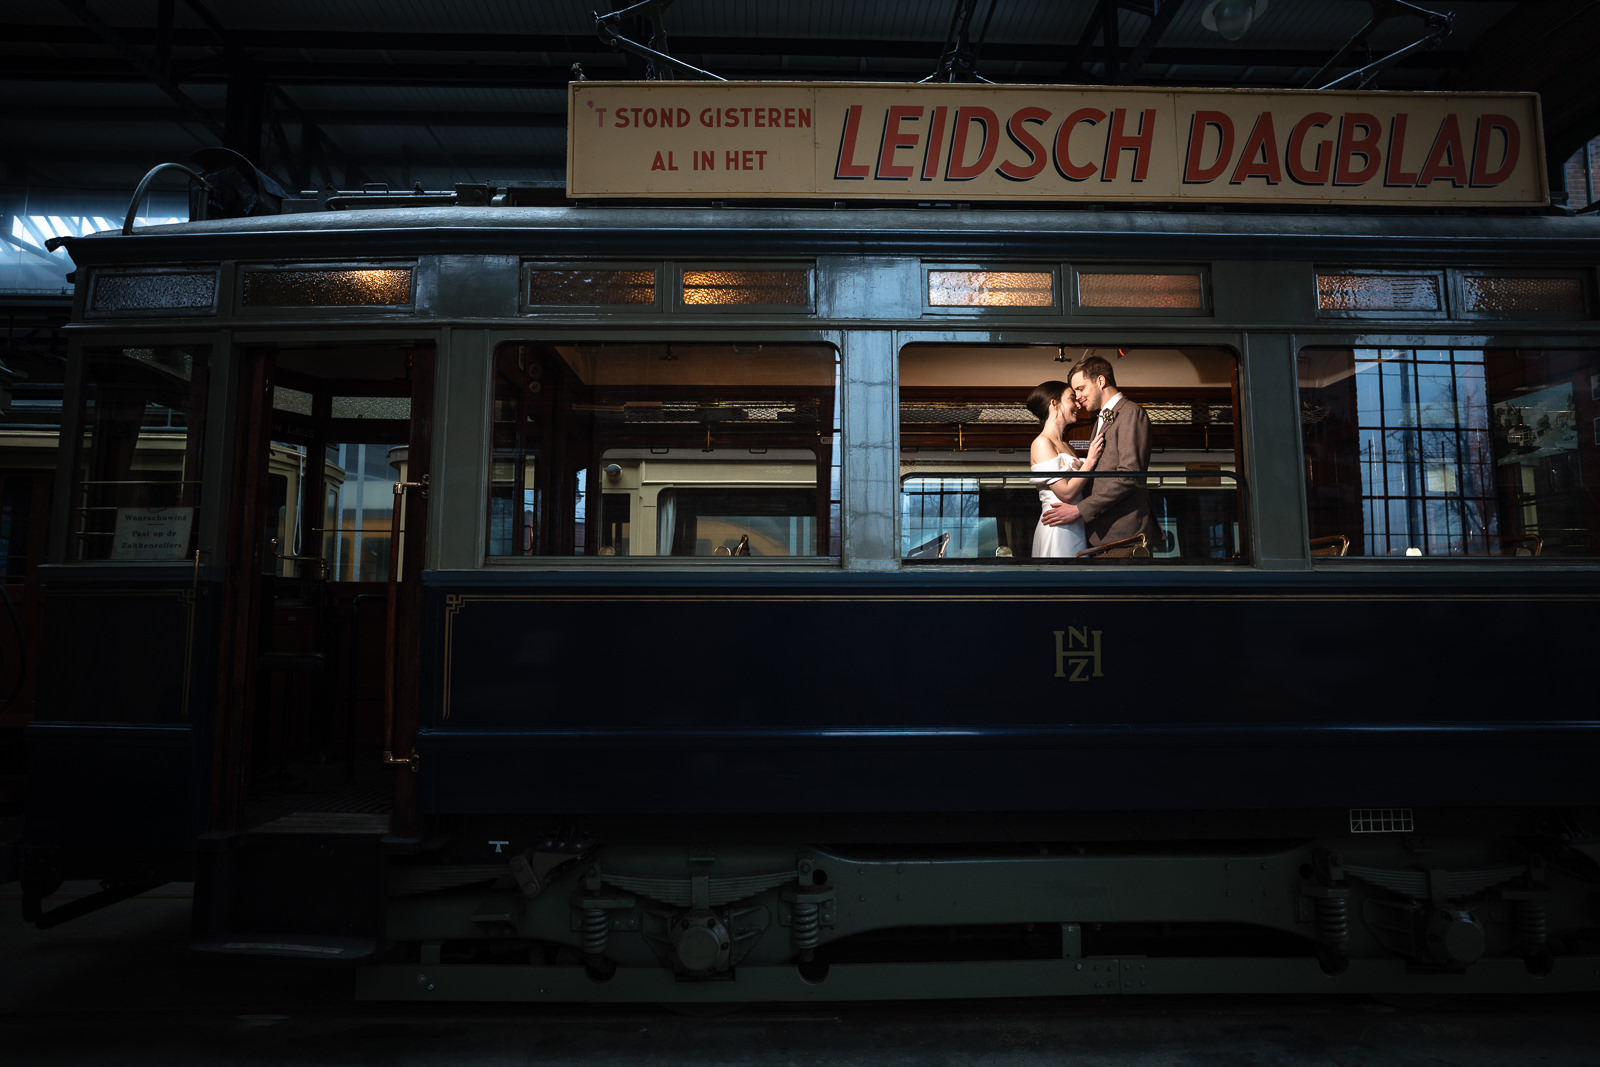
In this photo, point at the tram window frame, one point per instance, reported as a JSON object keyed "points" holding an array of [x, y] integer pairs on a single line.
{"points": [[98, 363], [1010, 504], [244, 271], [1440, 278], [579, 443], [680, 268], [1056, 306], [99, 275], [1524, 510], [1076, 271], [526, 306]]}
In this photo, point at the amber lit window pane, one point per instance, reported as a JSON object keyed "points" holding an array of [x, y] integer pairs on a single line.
{"points": [[1105, 290], [141, 292], [1378, 292], [1522, 294], [327, 288], [991, 288], [757, 288], [568, 288]]}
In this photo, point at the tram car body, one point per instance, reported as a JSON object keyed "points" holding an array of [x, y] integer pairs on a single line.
{"points": [[654, 584]]}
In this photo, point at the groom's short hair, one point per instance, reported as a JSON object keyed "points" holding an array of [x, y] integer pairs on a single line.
{"points": [[1094, 367]]}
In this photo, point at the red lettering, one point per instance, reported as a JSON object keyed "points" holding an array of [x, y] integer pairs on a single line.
{"points": [[1075, 172], [846, 167], [1263, 142], [1322, 162], [1193, 172], [894, 138], [959, 170], [1482, 176], [1141, 144], [1027, 142], [1393, 175], [1350, 146], [930, 158], [1447, 159]]}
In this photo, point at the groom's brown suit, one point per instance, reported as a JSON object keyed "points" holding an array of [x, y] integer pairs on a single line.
{"points": [[1114, 508]]}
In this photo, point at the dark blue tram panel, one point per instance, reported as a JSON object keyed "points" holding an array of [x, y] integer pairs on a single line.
{"points": [[865, 694], [843, 770]]}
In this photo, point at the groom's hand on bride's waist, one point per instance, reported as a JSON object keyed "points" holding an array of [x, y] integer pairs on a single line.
{"points": [[1060, 515]]}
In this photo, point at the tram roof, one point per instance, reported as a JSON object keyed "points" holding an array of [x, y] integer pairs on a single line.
{"points": [[695, 231]]}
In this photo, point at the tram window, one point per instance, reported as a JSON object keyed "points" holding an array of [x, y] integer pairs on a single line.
{"points": [[1453, 452], [358, 484], [965, 434], [687, 448], [136, 478]]}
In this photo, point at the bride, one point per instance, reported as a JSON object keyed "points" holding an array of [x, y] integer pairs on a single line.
{"points": [[1053, 405]]}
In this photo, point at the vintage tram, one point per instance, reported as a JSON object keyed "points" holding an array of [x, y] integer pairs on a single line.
{"points": [[524, 599]]}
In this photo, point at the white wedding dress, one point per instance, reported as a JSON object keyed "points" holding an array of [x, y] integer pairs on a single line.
{"points": [[1056, 542]]}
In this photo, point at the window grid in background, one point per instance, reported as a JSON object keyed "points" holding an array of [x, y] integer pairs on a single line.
{"points": [[1426, 459], [932, 507]]}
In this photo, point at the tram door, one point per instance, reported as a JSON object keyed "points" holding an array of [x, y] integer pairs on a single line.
{"points": [[326, 547]]}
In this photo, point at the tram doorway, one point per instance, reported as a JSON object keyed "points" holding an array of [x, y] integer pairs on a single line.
{"points": [[328, 531]]}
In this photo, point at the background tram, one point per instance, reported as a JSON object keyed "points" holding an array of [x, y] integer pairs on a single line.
{"points": [[407, 544]]}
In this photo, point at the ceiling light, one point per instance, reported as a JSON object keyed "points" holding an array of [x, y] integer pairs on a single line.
{"points": [[1232, 18]]}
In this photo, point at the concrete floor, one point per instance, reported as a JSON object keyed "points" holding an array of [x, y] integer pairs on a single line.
{"points": [[119, 987]]}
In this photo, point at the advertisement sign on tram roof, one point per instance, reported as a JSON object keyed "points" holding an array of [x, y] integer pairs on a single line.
{"points": [[968, 142]]}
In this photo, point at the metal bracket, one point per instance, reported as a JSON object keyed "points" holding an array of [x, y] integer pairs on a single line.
{"points": [[413, 761], [402, 488], [320, 561]]}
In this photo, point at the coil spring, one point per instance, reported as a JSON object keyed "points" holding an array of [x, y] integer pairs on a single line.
{"points": [[1531, 927], [805, 927], [595, 927], [1333, 920]]}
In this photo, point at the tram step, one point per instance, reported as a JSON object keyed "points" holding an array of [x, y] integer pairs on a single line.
{"points": [[300, 886]]}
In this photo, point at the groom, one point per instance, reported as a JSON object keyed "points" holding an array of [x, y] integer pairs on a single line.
{"points": [[1111, 508]]}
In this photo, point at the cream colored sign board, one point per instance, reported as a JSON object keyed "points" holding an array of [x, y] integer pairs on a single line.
{"points": [[1028, 142]]}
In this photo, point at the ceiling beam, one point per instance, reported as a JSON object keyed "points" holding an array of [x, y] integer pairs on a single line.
{"points": [[131, 55]]}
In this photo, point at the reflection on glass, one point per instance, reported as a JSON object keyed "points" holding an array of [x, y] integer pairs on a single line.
{"points": [[991, 288], [1464, 452], [609, 450], [136, 480], [1378, 292], [359, 511]]}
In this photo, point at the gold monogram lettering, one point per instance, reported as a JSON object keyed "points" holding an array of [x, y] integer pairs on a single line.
{"points": [[1079, 648]]}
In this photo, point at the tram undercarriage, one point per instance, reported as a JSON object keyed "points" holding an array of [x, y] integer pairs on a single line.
{"points": [[750, 924]]}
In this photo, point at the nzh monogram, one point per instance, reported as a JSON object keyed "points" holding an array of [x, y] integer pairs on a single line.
{"points": [[1078, 648]]}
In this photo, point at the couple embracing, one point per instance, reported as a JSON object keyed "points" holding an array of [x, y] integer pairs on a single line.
{"points": [[1079, 513]]}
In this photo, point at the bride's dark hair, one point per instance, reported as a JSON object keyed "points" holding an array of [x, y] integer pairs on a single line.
{"points": [[1042, 396]]}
